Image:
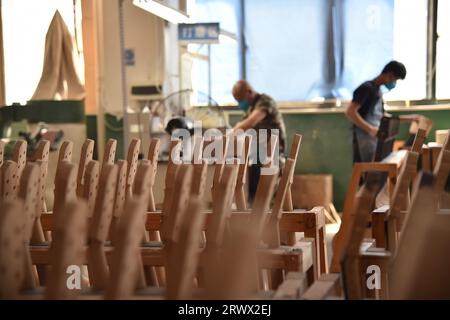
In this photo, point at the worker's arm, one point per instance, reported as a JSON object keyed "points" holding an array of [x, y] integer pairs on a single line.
{"points": [[252, 120], [354, 116]]}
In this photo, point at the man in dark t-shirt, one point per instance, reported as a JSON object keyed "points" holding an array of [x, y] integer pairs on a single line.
{"points": [[260, 112], [366, 111]]}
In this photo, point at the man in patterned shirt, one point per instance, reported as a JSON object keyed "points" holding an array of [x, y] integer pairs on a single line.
{"points": [[260, 112]]}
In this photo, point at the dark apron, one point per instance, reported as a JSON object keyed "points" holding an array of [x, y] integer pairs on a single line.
{"points": [[364, 145]]}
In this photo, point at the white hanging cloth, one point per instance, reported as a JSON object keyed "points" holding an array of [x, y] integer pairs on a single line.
{"points": [[59, 80]]}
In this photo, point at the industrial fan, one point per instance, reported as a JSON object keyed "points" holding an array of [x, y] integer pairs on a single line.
{"points": [[186, 108]]}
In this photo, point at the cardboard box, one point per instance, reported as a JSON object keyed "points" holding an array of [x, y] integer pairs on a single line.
{"points": [[310, 190]]}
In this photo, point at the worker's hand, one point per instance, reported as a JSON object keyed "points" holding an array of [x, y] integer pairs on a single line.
{"points": [[417, 117], [412, 117], [229, 132], [373, 131]]}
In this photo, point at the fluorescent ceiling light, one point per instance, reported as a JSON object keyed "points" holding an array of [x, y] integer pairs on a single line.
{"points": [[163, 11], [227, 36]]}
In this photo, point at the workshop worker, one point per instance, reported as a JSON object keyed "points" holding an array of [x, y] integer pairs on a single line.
{"points": [[366, 111], [260, 112]]}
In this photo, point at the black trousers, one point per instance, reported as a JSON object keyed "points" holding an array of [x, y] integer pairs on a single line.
{"points": [[254, 173]]}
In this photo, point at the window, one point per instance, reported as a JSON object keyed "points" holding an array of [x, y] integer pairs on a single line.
{"points": [[285, 42], [25, 24], [410, 47], [289, 44], [443, 52], [224, 57], [368, 40]]}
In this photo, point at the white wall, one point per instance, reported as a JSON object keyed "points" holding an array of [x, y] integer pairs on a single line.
{"points": [[144, 33], [154, 44], [155, 47], [109, 59]]}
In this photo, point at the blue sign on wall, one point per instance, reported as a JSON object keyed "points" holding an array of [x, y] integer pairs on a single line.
{"points": [[199, 32], [129, 57]]}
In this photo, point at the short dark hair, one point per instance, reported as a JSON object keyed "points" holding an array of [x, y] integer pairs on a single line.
{"points": [[397, 68]]}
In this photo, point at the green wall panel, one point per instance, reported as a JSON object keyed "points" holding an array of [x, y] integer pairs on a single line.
{"points": [[68, 111], [326, 146], [327, 143], [114, 130], [91, 132]]}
